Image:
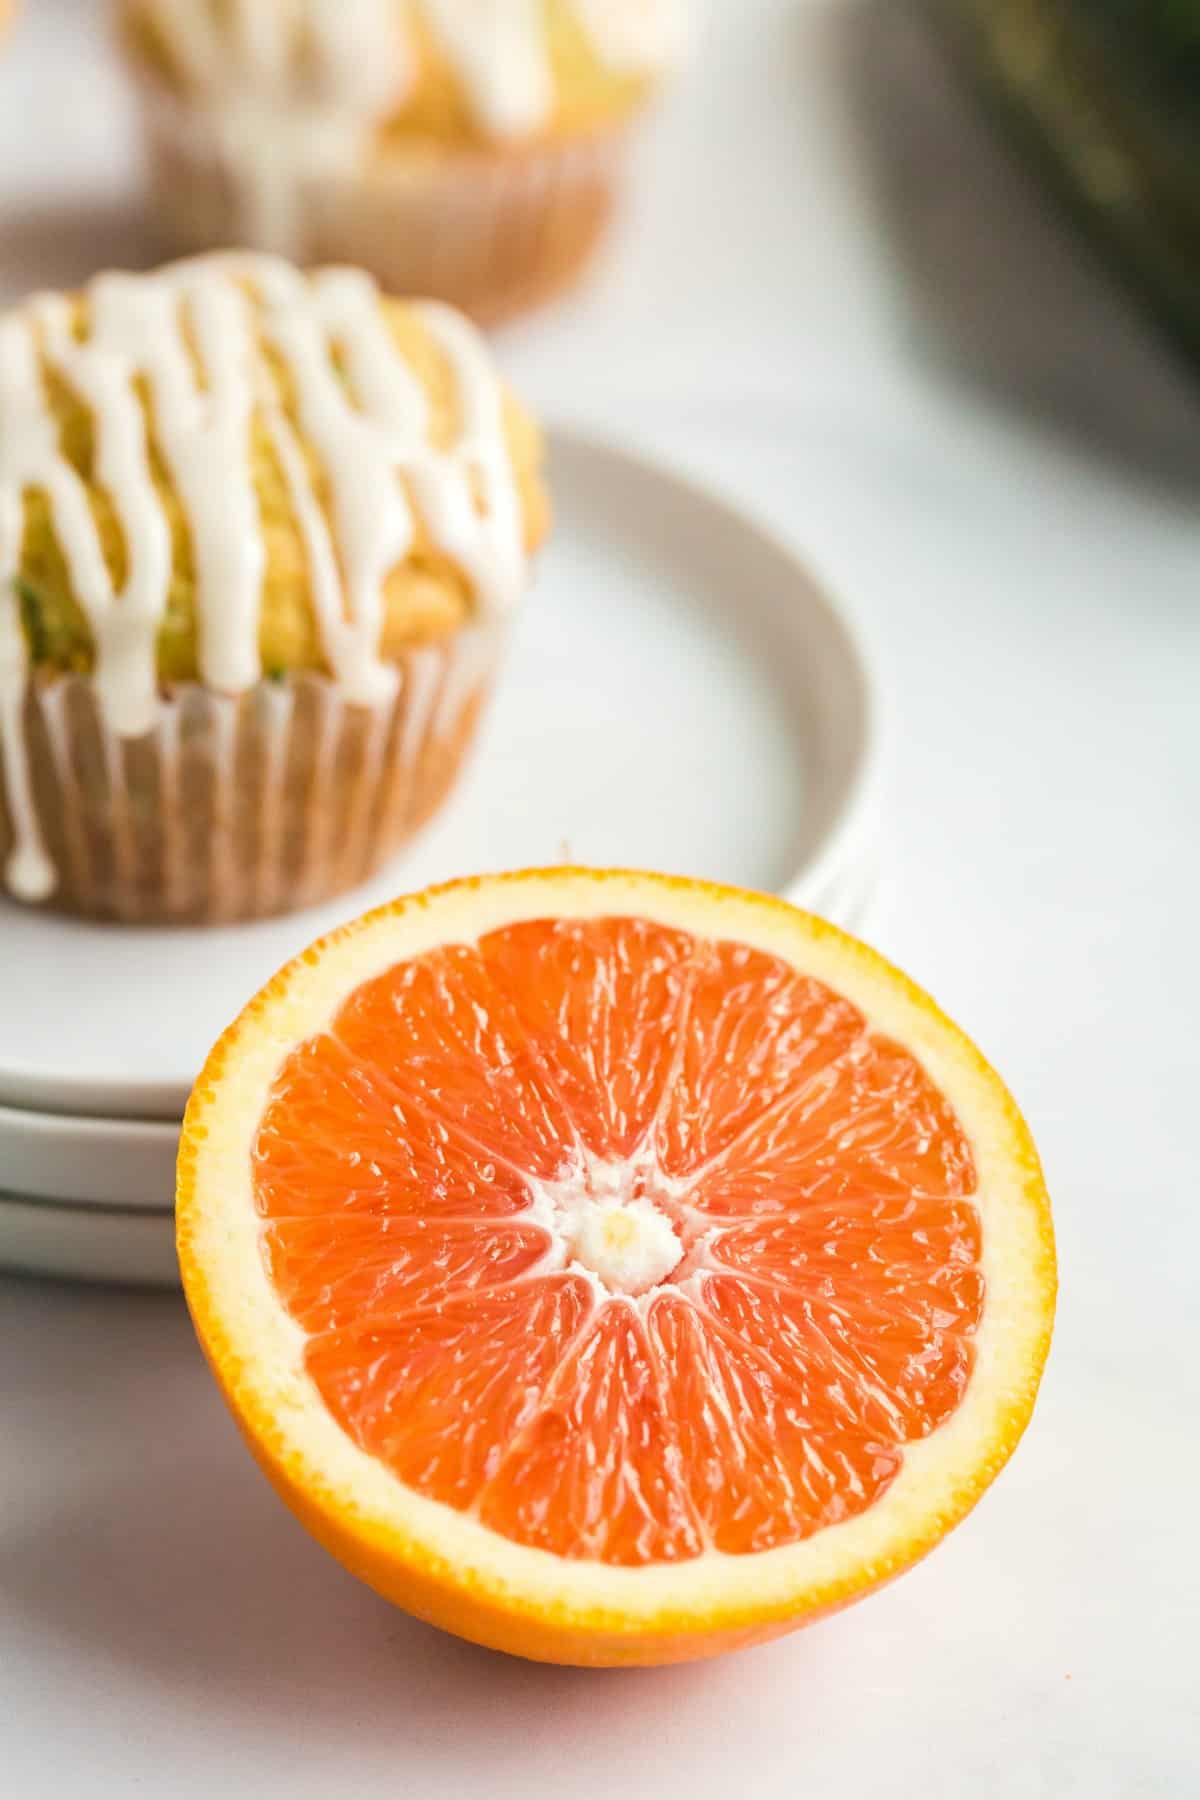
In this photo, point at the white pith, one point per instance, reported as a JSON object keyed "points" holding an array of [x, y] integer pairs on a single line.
{"points": [[599, 1223], [265, 1346]]}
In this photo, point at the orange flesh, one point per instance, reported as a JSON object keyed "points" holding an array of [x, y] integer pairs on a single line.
{"points": [[410, 1167]]}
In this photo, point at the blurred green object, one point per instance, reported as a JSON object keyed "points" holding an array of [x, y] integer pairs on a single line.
{"points": [[1108, 93]]}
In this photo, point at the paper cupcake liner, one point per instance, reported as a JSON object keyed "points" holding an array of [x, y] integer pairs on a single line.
{"points": [[493, 233], [236, 808]]}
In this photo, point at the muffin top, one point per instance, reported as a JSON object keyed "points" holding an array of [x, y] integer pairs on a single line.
{"points": [[227, 469], [414, 73]]}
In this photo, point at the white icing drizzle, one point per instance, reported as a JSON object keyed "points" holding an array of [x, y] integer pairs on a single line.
{"points": [[278, 122], [498, 53], [274, 123], [28, 871], [204, 431], [635, 35], [487, 544], [122, 626], [372, 518], [193, 334]]}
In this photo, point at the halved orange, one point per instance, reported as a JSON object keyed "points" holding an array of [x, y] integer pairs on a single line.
{"points": [[612, 1268]]}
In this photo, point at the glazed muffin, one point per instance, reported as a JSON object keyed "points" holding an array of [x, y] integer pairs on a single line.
{"points": [[260, 536], [469, 149]]}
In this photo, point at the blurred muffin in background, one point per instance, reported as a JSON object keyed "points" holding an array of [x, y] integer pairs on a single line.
{"points": [[260, 536], [468, 149]]}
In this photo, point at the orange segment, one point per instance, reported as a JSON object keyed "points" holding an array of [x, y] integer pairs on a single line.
{"points": [[754, 1031], [438, 1393], [926, 1260], [601, 1000], [390, 1265], [768, 1460], [870, 1119], [437, 1032], [599, 1472], [334, 1140], [595, 1261], [888, 1373]]}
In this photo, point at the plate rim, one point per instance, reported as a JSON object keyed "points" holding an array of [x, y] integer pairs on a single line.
{"points": [[88, 1160], [864, 788], [63, 1240]]}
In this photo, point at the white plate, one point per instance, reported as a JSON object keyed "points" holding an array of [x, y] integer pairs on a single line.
{"points": [[92, 1243], [682, 695], [118, 1225], [130, 1163], [105, 1162]]}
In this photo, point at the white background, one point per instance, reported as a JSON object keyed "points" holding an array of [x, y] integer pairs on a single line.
{"points": [[838, 296]]}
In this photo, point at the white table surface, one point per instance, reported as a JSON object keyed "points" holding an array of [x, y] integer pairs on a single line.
{"points": [[839, 296]]}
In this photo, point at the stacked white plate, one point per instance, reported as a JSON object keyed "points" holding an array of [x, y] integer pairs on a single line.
{"points": [[681, 696]]}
